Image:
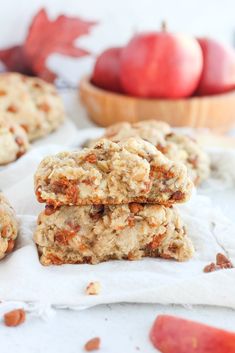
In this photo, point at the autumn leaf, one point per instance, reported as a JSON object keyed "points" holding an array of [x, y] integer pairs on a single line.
{"points": [[14, 59], [44, 38]]}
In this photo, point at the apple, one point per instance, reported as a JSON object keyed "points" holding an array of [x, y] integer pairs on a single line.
{"points": [[218, 74], [161, 65], [106, 73], [171, 334]]}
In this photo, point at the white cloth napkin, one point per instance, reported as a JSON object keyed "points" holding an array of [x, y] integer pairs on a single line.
{"points": [[24, 279]]}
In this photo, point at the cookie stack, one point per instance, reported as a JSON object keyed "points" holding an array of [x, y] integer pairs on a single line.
{"points": [[174, 145], [111, 201]]}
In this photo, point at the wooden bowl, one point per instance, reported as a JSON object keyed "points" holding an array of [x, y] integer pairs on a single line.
{"points": [[216, 112]]}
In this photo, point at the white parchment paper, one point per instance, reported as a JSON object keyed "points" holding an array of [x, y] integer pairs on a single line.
{"points": [[24, 279]]}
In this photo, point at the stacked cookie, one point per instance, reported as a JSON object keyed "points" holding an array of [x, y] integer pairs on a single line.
{"points": [[111, 201], [30, 108], [174, 145]]}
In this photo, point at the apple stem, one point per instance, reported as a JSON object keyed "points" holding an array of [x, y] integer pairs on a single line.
{"points": [[164, 26]]}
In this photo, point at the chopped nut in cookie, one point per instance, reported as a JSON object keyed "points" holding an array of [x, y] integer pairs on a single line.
{"points": [[10, 246], [135, 207], [93, 288], [44, 107], [91, 158], [12, 108]]}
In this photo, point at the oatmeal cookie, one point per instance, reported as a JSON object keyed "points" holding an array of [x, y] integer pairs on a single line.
{"points": [[8, 227], [96, 233], [186, 150], [112, 173], [174, 146], [32, 103], [150, 130], [13, 141]]}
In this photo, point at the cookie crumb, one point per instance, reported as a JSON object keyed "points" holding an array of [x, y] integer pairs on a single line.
{"points": [[93, 288], [222, 262], [92, 345], [14, 318], [210, 268]]}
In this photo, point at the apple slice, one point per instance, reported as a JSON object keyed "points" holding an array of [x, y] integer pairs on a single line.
{"points": [[171, 334], [218, 74]]}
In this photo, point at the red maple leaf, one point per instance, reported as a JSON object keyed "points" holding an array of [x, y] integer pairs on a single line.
{"points": [[44, 38]]}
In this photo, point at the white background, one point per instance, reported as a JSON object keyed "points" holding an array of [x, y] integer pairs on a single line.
{"points": [[118, 20], [122, 327]]}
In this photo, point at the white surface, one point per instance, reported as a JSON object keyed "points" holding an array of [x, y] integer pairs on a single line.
{"points": [[122, 327], [127, 325], [118, 21], [145, 281]]}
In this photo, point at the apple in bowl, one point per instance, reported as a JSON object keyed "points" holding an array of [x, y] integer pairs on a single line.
{"points": [[106, 73], [218, 74], [162, 65], [160, 75]]}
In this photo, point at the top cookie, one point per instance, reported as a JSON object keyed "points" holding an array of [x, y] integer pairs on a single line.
{"points": [[32, 103], [112, 173], [174, 146]]}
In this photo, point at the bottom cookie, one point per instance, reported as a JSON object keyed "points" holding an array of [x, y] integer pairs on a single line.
{"points": [[8, 227], [93, 234]]}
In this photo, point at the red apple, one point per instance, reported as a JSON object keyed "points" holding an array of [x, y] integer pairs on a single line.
{"points": [[106, 72], [172, 334], [218, 74], [161, 64]]}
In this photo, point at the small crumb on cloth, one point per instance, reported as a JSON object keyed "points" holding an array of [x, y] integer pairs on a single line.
{"points": [[93, 288], [222, 262], [14, 318], [92, 345]]}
